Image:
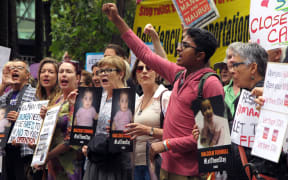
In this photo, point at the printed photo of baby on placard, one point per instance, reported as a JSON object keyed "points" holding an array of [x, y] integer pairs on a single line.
{"points": [[85, 116], [124, 115], [213, 128], [4, 123], [85, 107], [123, 104]]}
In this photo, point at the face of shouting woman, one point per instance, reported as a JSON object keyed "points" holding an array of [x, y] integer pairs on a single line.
{"points": [[110, 77], [68, 80], [48, 76]]}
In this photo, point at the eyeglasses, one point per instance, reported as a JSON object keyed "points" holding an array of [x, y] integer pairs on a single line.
{"points": [[106, 71], [235, 65], [140, 69], [184, 45], [16, 67]]}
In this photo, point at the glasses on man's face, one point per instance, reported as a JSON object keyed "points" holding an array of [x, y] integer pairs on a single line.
{"points": [[140, 69], [235, 65], [106, 71], [185, 45], [16, 67]]}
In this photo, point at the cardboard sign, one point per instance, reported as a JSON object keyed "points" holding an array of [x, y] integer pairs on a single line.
{"points": [[214, 142], [196, 13], [272, 126], [268, 23], [123, 105], [85, 116], [45, 137], [91, 59], [245, 120], [28, 124]]}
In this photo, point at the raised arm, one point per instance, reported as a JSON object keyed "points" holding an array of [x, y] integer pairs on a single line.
{"points": [[166, 69]]}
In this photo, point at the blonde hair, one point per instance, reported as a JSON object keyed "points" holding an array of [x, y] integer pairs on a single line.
{"points": [[117, 62]]}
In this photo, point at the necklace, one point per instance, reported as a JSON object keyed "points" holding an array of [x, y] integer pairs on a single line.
{"points": [[144, 105]]}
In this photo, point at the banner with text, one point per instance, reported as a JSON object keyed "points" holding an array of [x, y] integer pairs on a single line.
{"points": [[272, 125], [268, 23], [45, 136], [245, 120], [28, 124], [196, 13], [163, 16]]}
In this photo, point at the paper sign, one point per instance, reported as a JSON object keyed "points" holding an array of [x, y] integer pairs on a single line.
{"points": [[245, 120], [196, 13], [268, 23], [4, 58], [45, 137], [91, 59], [28, 124], [272, 126], [270, 135]]}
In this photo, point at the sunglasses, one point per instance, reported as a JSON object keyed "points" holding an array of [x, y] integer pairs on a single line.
{"points": [[139, 69]]}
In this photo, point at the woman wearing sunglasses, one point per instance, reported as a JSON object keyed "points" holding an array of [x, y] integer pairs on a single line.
{"points": [[146, 126]]}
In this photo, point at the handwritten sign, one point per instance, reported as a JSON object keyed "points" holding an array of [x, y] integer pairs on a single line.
{"points": [[245, 120], [196, 13], [272, 126], [91, 59], [268, 23], [45, 137], [28, 124]]}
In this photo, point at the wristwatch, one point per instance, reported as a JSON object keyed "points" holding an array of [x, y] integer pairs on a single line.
{"points": [[151, 132]]}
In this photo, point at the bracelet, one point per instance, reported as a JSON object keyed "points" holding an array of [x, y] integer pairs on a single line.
{"points": [[151, 132], [166, 145]]}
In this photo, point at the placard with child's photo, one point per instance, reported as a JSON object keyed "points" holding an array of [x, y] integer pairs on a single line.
{"points": [[85, 115], [214, 142], [123, 104], [5, 126]]}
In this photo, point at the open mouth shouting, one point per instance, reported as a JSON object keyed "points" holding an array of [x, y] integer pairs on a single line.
{"points": [[15, 76], [64, 82], [104, 81]]}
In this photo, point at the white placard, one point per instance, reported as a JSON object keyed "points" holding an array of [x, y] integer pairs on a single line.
{"points": [[245, 120], [268, 23], [4, 58], [45, 137], [272, 127], [270, 134], [276, 87], [91, 59], [28, 124]]}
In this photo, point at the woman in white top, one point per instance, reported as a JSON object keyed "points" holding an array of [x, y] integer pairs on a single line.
{"points": [[146, 126]]}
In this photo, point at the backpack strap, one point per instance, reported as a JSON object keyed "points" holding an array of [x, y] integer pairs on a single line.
{"points": [[177, 77], [202, 81], [161, 113]]}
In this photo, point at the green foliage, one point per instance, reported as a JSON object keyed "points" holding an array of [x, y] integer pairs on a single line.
{"points": [[79, 26]]}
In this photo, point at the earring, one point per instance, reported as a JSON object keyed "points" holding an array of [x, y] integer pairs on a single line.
{"points": [[252, 78]]}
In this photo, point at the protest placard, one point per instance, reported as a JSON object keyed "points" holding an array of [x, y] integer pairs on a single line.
{"points": [[214, 142], [45, 137], [245, 120], [28, 124], [272, 125], [268, 23], [4, 58], [123, 105], [196, 13], [91, 59], [85, 116]]}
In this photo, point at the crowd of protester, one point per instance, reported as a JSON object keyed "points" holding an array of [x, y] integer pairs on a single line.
{"points": [[162, 118]]}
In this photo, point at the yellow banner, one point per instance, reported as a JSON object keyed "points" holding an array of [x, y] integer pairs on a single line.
{"points": [[231, 26], [163, 16]]}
